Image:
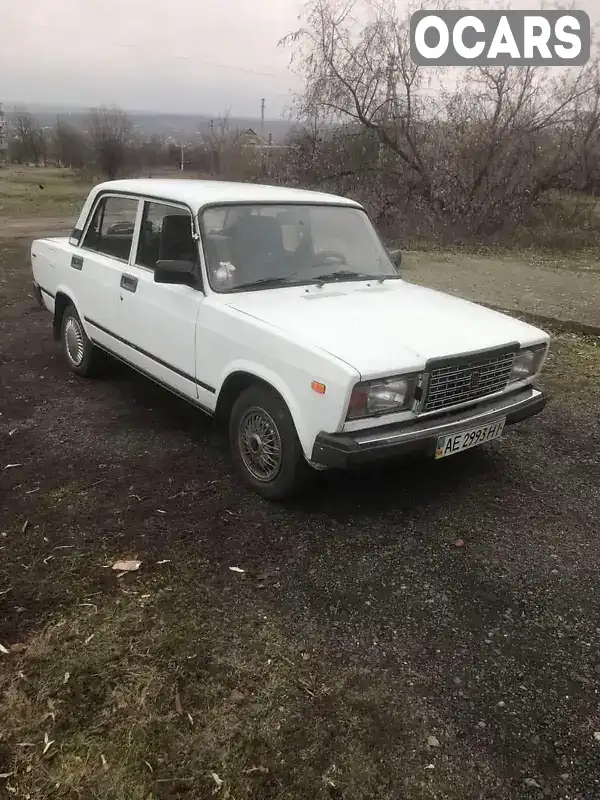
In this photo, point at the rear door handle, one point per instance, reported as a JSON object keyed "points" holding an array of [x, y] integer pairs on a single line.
{"points": [[77, 262], [129, 282]]}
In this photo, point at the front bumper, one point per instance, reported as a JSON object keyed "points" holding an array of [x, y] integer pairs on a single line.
{"points": [[343, 450]]}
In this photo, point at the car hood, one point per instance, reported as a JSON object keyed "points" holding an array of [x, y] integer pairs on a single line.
{"points": [[380, 329]]}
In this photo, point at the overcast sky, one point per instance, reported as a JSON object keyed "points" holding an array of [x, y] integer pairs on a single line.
{"points": [[192, 56]]}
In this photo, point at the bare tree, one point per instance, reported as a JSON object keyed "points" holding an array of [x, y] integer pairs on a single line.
{"points": [[70, 148], [110, 133], [30, 145], [475, 154], [221, 140]]}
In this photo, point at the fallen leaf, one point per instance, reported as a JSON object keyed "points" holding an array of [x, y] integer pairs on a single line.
{"points": [[48, 743], [236, 696], [430, 766], [126, 566], [216, 779], [236, 569], [19, 647], [89, 638], [166, 561], [104, 761], [433, 741], [597, 736], [25, 526], [4, 650], [12, 466], [66, 678], [459, 543], [191, 719], [6, 774]]}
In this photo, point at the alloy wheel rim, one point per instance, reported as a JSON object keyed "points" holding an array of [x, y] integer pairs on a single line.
{"points": [[260, 444], [74, 341]]}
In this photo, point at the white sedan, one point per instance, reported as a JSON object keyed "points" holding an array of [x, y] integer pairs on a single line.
{"points": [[279, 312]]}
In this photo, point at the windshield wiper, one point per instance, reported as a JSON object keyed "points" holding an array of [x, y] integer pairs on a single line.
{"points": [[262, 283], [348, 275]]}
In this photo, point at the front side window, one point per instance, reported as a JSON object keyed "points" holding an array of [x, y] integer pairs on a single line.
{"points": [[112, 227], [257, 246], [165, 234]]}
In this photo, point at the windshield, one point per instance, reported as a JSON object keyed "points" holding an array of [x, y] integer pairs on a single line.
{"points": [[263, 246]]}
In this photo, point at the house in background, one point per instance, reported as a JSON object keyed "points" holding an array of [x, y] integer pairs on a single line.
{"points": [[250, 138]]}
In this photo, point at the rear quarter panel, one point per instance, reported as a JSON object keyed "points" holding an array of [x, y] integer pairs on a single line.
{"points": [[50, 264]]}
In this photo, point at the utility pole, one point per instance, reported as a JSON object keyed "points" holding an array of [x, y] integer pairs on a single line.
{"points": [[262, 118], [181, 146]]}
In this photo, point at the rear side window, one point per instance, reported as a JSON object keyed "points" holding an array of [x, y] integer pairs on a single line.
{"points": [[112, 227], [166, 234]]}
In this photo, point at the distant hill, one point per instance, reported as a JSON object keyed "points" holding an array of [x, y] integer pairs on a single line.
{"points": [[176, 126]]}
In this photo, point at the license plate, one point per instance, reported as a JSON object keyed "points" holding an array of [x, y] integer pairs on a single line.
{"points": [[457, 442]]}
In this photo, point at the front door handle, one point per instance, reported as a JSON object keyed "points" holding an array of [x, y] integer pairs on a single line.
{"points": [[129, 282]]}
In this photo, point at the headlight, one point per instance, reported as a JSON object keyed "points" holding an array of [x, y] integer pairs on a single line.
{"points": [[388, 396], [527, 363]]}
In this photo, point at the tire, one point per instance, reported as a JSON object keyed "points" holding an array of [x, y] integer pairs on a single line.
{"points": [[80, 353], [260, 412]]}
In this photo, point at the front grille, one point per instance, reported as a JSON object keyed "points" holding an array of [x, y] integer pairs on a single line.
{"points": [[466, 380]]}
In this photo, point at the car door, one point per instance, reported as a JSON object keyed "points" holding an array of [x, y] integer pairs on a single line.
{"points": [[157, 321], [98, 265]]}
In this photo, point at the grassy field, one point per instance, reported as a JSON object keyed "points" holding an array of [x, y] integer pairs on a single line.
{"points": [[31, 192]]}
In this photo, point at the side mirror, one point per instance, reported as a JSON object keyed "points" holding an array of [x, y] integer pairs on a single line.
{"points": [[181, 272], [396, 256]]}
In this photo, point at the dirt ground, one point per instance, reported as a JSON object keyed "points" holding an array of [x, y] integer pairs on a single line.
{"points": [[414, 632]]}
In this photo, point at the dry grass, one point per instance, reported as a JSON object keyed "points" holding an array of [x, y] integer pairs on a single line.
{"points": [[134, 697], [134, 701], [573, 367]]}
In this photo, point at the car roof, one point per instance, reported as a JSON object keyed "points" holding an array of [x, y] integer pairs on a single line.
{"points": [[200, 193]]}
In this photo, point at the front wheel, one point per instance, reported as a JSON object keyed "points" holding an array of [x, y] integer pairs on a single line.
{"points": [[264, 444], [80, 353]]}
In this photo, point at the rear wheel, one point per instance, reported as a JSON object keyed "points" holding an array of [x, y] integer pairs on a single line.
{"points": [[264, 444], [80, 353]]}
